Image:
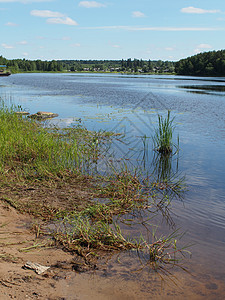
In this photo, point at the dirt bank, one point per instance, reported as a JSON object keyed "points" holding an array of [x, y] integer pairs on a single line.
{"points": [[19, 283]]}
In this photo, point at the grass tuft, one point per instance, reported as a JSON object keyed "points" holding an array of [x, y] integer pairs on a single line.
{"points": [[163, 138]]}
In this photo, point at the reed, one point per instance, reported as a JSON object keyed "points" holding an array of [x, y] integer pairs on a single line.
{"points": [[163, 138]]}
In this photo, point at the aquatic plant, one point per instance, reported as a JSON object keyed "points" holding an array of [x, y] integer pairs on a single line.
{"points": [[163, 138]]}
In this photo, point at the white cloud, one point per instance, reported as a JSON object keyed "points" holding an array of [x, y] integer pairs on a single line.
{"points": [[138, 14], [169, 48], [64, 20], [202, 47], [23, 1], [11, 24], [25, 54], [46, 14], [76, 45], [220, 19], [5, 46], [41, 38], [91, 4], [194, 10], [116, 46], [22, 43], [66, 38], [132, 28], [54, 17]]}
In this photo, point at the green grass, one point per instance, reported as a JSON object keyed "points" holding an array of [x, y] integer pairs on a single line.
{"points": [[163, 138], [30, 151]]}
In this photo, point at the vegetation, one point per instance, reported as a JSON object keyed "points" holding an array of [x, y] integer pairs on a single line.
{"points": [[43, 171], [163, 138], [129, 65], [24, 65], [204, 64]]}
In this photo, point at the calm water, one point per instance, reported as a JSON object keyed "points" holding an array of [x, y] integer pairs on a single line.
{"points": [[130, 104]]}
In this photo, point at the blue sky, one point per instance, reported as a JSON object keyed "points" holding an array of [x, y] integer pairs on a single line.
{"points": [[110, 29]]}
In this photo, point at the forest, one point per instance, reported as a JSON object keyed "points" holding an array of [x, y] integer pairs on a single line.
{"points": [[129, 66], [210, 63]]}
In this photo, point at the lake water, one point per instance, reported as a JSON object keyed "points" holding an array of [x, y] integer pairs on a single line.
{"points": [[130, 105]]}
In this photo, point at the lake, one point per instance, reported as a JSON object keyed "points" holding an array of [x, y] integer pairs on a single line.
{"points": [[130, 104]]}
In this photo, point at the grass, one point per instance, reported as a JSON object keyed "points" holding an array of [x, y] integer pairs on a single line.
{"points": [[47, 172], [78, 233], [33, 152], [163, 138]]}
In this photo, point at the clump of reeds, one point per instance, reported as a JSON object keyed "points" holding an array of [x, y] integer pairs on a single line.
{"points": [[163, 138]]}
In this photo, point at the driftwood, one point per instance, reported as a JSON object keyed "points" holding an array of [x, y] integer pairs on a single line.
{"points": [[39, 269]]}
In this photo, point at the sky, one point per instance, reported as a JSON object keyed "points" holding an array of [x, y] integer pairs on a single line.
{"points": [[110, 29]]}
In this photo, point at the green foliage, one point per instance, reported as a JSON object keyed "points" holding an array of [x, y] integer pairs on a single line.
{"points": [[204, 64], [24, 65], [129, 65]]}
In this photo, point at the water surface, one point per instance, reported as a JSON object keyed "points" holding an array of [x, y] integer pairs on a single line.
{"points": [[130, 104]]}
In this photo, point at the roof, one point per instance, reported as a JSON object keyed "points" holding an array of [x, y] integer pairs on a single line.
{"points": [[3, 66]]}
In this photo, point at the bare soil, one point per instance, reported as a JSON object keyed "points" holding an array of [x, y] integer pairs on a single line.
{"points": [[22, 211], [15, 281]]}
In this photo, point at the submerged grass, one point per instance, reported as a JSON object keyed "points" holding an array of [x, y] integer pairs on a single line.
{"points": [[38, 165]]}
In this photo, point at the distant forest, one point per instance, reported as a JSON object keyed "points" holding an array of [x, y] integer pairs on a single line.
{"points": [[204, 64], [129, 65]]}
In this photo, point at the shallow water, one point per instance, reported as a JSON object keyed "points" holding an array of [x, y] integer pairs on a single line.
{"points": [[130, 104]]}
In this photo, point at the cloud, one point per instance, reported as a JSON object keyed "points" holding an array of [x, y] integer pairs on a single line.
{"points": [[46, 14], [76, 45], [53, 17], [132, 28], [5, 46], [194, 10], [91, 4], [169, 49], [64, 20], [66, 38], [116, 46], [138, 14], [22, 43], [11, 24], [23, 1], [202, 47], [25, 54]]}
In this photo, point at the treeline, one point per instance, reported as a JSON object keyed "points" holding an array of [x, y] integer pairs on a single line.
{"points": [[204, 64], [129, 65], [24, 65]]}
